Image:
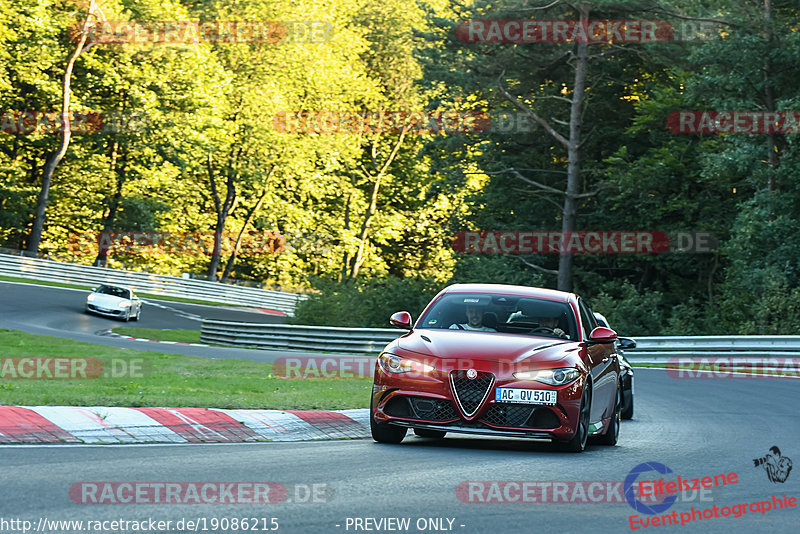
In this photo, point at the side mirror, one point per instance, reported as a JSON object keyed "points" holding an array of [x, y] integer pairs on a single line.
{"points": [[601, 334], [401, 320], [626, 343]]}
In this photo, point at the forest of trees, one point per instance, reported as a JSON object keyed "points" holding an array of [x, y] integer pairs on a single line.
{"points": [[190, 135]]}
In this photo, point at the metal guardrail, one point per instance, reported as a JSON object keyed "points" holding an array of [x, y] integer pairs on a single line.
{"points": [[155, 284], [372, 340], [665, 348], [296, 337]]}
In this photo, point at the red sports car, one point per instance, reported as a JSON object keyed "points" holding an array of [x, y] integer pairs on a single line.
{"points": [[500, 360]]}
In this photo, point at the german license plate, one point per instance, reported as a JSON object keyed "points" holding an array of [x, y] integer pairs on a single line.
{"points": [[525, 396]]}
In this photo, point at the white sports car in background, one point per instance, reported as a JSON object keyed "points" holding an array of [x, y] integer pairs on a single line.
{"points": [[114, 301]]}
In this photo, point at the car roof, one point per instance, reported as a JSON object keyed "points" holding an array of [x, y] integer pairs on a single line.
{"points": [[521, 291]]}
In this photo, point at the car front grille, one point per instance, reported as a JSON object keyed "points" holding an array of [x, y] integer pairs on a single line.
{"points": [[520, 416], [471, 392], [507, 414], [424, 408], [433, 409]]}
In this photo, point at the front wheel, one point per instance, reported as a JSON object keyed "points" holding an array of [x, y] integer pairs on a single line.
{"points": [[384, 433], [578, 441]]}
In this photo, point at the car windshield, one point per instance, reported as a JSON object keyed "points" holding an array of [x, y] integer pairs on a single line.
{"points": [[501, 313], [115, 291]]}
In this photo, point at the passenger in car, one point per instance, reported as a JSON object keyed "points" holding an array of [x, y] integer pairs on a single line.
{"points": [[474, 321]]}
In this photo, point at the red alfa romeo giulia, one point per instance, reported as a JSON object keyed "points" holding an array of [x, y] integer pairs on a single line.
{"points": [[500, 360]]}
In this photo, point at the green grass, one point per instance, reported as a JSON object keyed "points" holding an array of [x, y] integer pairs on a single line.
{"points": [[183, 336], [171, 380], [88, 288]]}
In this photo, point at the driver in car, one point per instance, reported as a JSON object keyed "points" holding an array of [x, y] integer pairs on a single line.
{"points": [[552, 324], [474, 321]]}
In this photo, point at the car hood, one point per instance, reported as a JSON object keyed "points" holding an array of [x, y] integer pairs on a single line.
{"points": [[488, 346], [106, 301]]}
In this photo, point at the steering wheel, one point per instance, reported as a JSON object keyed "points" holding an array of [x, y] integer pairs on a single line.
{"points": [[552, 331]]}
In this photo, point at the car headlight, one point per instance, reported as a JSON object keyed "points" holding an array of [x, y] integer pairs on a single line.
{"points": [[90, 298], [554, 377], [124, 304], [392, 364]]}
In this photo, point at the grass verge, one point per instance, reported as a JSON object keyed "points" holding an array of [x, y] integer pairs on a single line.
{"points": [[170, 380]]}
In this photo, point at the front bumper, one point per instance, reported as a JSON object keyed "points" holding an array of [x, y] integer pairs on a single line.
{"points": [[104, 311], [496, 432], [430, 402]]}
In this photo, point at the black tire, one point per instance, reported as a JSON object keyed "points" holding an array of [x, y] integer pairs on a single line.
{"points": [[427, 433], [627, 403], [578, 441], [383, 433], [612, 432]]}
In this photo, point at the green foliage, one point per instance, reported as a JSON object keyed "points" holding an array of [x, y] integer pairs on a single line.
{"points": [[630, 312], [178, 114], [367, 303]]}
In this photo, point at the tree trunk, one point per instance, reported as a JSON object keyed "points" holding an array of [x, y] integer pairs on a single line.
{"points": [[56, 157], [345, 254], [574, 162], [769, 99], [250, 215], [223, 209], [108, 218], [358, 259]]}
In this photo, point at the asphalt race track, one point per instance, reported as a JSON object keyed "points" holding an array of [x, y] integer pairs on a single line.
{"points": [[696, 427], [59, 312]]}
